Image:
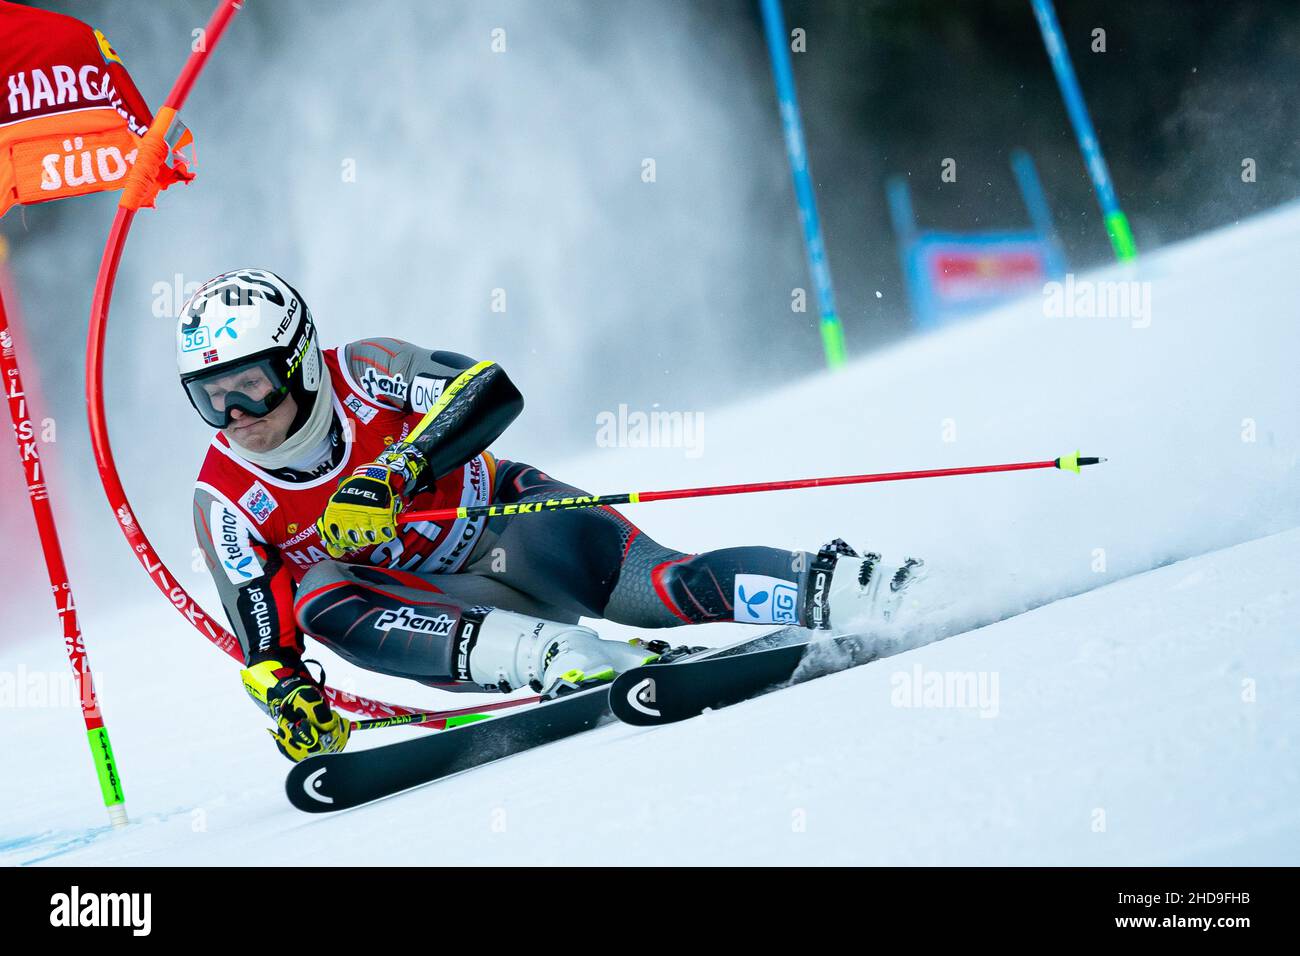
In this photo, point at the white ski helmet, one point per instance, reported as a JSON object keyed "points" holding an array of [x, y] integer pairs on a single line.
{"points": [[248, 320]]}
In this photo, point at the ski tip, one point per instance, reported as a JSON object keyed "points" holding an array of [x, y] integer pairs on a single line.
{"points": [[1075, 462]]}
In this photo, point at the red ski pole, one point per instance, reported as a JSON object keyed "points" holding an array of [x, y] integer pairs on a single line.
{"points": [[567, 503]]}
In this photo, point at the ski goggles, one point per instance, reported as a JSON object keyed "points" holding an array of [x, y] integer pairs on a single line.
{"points": [[254, 387]]}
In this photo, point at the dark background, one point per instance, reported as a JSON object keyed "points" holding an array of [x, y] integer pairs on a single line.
{"points": [[1184, 92]]}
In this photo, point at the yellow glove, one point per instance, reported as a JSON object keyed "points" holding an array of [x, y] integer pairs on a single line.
{"points": [[362, 512], [305, 724]]}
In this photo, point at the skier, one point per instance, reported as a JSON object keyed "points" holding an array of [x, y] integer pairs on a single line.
{"points": [[297, 511]]}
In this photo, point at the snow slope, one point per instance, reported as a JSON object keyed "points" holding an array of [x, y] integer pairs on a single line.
{"points": [[1151, 721], [1150, 718]]}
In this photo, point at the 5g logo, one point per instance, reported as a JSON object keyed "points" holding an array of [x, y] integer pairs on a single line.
{"points": [[194, 339]]}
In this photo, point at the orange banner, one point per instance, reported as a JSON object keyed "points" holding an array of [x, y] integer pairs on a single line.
{"points": [[71, 119]]}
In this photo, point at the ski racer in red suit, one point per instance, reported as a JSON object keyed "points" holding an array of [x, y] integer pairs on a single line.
{"points": [[318, 452]]}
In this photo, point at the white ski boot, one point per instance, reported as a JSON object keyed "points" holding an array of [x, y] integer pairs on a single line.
{"points": [[512, 650], [868, 589]]}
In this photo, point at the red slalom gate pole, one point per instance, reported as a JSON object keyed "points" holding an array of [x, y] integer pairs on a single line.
{"points": [[140, 189], [101, 749], [568, 503]]}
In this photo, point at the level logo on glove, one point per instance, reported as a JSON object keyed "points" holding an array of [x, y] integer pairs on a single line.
{"points": [[362, 512]]}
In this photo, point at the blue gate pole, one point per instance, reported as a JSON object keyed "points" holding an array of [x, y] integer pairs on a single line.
{"points": [[1121, 237], [778, 44]]}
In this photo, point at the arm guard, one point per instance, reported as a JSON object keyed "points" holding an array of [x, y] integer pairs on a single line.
{"points": [[466, 405]]}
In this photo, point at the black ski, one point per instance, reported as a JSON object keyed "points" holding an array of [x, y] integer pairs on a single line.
{"points": [[781, 637], [338, 781], [664, 693]]}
